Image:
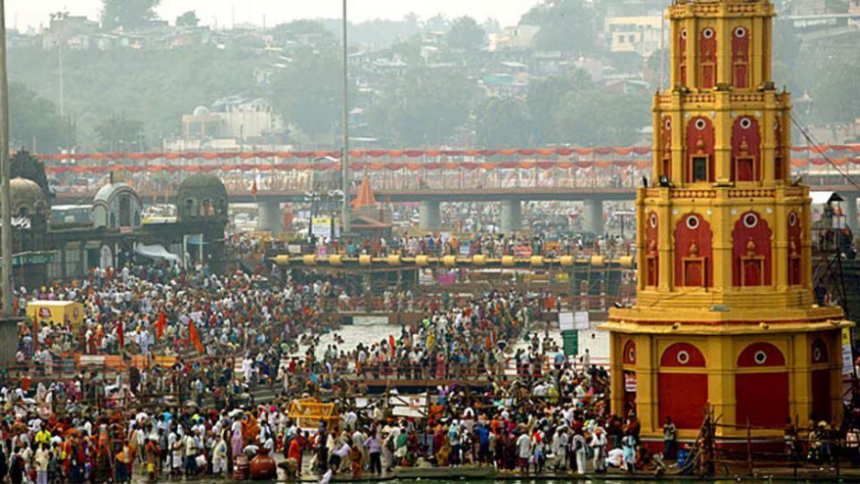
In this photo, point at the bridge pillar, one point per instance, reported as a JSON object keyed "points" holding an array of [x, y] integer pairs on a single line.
{"points": [[429, 216], [269, 217], [592, 216], [851, 212], [511, 216]]}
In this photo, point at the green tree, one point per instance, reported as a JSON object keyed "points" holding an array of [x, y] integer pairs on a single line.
{"points": [[155, 87], [543, 99], [304, 31], [409, 50], [128, 14], [565, 25], [188, 19], [501, 123], [834, 96], [25, 165], [35, 123], [117, 133], [425, 106], [466, 34], [594, 117], [309, 93]]}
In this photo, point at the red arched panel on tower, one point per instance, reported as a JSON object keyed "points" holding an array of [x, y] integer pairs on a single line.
{"points": [[700, 150], [762, 398], [684, 397], [693, 242], [708, 58], [682, 355], [751, 251], [746, 149], [794, 231], [652, 250], [740, 57]]}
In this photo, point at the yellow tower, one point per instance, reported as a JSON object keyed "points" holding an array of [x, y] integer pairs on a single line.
{"points": [[725, 316]]}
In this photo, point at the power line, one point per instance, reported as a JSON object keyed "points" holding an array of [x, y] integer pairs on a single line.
{"points": [[821, 151]]}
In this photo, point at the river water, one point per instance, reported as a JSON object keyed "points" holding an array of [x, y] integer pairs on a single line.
{"points": [[596, 341]]}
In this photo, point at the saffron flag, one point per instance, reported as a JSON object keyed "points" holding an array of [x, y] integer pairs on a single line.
{"points": [[159, 325], [391, 343], [254, 188], [192, 335], [120, 334]]}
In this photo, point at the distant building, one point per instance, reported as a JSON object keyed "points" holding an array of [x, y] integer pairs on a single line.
{"points": [[518, 37], [230, 124], [73, 31], [641, 34]]}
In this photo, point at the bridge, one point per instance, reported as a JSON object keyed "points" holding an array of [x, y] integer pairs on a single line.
{"points": [[429, 177]]}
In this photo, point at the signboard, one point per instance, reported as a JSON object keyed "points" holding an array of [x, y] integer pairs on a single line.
{"points": [[322, 227], [570, 342], [294, 249], [581, 320], [125, 230], [630, 382], [32, 259], [522, 252], [20, 223], [847, 355], [447, 279], [565, 321]]}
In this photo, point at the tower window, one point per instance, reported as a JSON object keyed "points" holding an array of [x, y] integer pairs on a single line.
{"points": [[700, 168]]}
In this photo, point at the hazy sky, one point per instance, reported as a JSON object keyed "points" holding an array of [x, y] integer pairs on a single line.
{"points": [[24, 13]]}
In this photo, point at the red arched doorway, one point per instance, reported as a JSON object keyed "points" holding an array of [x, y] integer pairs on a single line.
{"points": [[682, 386], [761, 386]]}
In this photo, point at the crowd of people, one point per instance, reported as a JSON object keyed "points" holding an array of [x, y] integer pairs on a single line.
{"points": [[228, 335], [206, 344]]}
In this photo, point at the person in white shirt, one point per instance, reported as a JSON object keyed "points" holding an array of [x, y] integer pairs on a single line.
{"points": [[524, 451], [598, 444]]}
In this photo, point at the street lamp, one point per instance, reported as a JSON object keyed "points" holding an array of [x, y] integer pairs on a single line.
{"points": [[5, 174], [345, 155]]}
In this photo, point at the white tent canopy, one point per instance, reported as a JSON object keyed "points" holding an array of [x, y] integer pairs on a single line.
{"points": [[156, 252]]}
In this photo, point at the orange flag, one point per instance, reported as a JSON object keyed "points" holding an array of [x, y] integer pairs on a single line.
{"points": [[254, 188], [159, 325], [391, 343], [192, 335]]}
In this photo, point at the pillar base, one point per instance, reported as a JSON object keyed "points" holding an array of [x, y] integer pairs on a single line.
{"points": [[592, 216], [429, 216], [511, 216], [269, 217], [9, 338]]}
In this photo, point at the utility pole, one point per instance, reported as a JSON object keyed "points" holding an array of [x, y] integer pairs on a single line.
{"points": [[344, 172], [5, 175]]}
